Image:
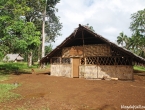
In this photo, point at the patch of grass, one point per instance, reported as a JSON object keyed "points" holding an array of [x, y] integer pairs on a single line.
{"points": [[139, 68], [17, 65], [5, 93], [19, 68], [4, 77], [14, 67], [41, 108], [20, 108]]}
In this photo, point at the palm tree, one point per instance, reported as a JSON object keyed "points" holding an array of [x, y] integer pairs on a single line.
{"points": [[136, 44], [133, 44], [122, 40]]}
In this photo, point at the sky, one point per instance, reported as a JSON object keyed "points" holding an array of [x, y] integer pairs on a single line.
{"points": [[108, 17]]}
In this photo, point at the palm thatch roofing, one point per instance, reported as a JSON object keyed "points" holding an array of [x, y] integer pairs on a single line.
{"points": [[84, 36], [13, 57]]}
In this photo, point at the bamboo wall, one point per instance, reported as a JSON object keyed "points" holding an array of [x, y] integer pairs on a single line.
{"points": [[89, 50], [91, 72], [61, 70], [92, 55], [120, 71]]}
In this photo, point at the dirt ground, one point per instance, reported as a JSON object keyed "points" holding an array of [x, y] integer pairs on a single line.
{"points": [[41, 91]]}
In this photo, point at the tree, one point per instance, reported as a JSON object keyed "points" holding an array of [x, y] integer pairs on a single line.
{"points": [[25, 36], [43, 13], [10, 11], [30, 40], [123, 40], [48, 49], [90, 27], [137, 26], [43, 31], [21, 22], [3, 51], [138, 22], [18, 35], [135, 43]]}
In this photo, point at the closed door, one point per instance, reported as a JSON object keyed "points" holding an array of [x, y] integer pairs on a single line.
{"points": [[75, 67]]}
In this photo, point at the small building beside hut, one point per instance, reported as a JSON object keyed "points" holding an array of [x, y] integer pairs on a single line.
{"points": [[86, 54], [13, 58]]}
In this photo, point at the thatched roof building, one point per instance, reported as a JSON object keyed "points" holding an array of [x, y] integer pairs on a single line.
{"points": [[89, 55], [13, 58]]}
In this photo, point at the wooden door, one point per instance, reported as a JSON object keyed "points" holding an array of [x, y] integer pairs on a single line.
{"points": [[75, 67]]}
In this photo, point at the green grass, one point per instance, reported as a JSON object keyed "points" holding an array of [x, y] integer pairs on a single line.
{"points": [[16, 65], [5, 89], [11, 67], [5, 70], [139, 68], [41, 108], [5, 92], [4, 77]]}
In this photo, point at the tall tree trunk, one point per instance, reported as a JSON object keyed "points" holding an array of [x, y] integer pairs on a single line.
{"points": [[39, 54], [43, 33], [30, 59]]}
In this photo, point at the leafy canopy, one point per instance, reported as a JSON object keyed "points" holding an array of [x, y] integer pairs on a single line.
{"points": [[135, 43], [21, 24]]}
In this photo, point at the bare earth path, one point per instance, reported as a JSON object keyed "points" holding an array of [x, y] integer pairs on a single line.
{"points": [[61, 93]]}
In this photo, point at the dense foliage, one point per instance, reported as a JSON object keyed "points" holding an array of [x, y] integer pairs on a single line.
{"points": [[21, 26], [135, 43]]}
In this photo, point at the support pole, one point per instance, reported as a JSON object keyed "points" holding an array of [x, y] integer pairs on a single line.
{"points": [[83, 52], [83, 44]]}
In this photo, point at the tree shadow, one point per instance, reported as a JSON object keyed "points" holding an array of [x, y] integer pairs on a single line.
{"points": [[44, 73]]}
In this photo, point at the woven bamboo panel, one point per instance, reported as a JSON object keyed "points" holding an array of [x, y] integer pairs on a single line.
{"points": [[76, 51], [97, 50], [61, 70], [65, 52], [119, 71], [107, 71], [89, 50], [88, 72], [124, 72]]}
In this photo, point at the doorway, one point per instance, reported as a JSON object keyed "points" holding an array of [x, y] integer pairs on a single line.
{"points": [[75, 67]]}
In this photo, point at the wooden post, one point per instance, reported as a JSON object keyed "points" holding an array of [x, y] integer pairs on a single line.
{"points": [[83, 44], [115, 61], [51, 61], [85, 60], [83, 51], [97, 65], [60, 60]]}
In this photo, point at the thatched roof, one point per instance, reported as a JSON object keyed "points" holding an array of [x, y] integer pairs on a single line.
{"points": [[84, 36], [13, 57]]}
